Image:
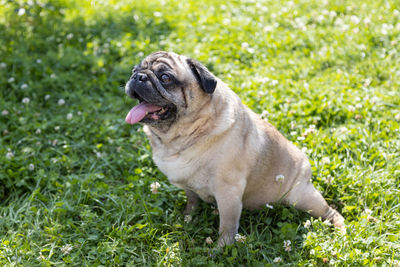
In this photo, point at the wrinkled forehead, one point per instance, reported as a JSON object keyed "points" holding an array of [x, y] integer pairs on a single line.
{"points": [[162, 61]]}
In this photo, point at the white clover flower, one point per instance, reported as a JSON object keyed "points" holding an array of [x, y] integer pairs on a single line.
{"points": [[69, 116], [9, 155], [240, 238], [274, 82], [188, 218], [209, 241], [25, 100], [31, 167], [279, 178], [327, 222], [368, 211], [24, 86], [21, 11], [66, 249], [3, 65], [286, 245], [154, 187], [307, 224], [326, 161], [61, 102], [11, 80], [269, 206], [46, 97], [278, 259], [4, 112]]}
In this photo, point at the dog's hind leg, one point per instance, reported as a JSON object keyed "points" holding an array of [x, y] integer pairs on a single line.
{"points": [[306, 197]]}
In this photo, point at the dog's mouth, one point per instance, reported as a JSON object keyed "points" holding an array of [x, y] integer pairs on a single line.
{"points": [[146, 112]]}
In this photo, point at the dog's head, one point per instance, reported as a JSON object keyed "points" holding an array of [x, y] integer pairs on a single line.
{"points": [[168, 86]]}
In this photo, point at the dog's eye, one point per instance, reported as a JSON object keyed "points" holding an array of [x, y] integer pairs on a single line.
{"points": [[165, 78]]}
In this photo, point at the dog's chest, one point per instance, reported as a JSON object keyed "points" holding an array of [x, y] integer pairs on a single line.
{"points": [[187, 174]]}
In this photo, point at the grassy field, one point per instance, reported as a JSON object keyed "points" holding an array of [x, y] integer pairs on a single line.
{"points": [[75, 178]]}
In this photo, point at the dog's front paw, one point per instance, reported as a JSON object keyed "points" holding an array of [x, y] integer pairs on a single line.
{"points": [[226, 239]]}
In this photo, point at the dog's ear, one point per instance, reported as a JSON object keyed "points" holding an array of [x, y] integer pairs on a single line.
{"points": [[207, 81]]}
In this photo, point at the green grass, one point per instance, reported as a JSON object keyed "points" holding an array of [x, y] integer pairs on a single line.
{"points": [[75, 179]]}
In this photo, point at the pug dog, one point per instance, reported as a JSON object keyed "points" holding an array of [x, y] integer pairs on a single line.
{"points": [[215, 148]]}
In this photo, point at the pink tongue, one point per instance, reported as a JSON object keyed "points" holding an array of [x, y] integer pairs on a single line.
{"points": [[138, 112]]}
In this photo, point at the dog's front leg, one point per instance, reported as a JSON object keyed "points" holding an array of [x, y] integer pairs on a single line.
{"points": [[229, 202]]}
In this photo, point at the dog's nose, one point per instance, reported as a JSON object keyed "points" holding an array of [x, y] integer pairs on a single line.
{"points": [[140, 76]]}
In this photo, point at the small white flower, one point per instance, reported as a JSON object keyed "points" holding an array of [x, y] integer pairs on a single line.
{"points": [[274, 82], [61, 102], [240, 238], [301, 138], [157, 14], [46, 97], [38, 131], [264, 114], [24, 86], [307, 224], [69, 116], [188, 218], [53, 76], [70, 36], [21, 11], [3, 65], [368, 211], [351, 108], [57, 128], [326, 161], [4, 112], [38, 61], [286, 245], [279, 178], [154, 187], [328, 223], [66, 249], [11, 80], [245, 45], [9, 155], [359, 105], [312, 252], [31, 167], [397, 117], [209, 241], [278, 259], [25, 100], [269, 206]]}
